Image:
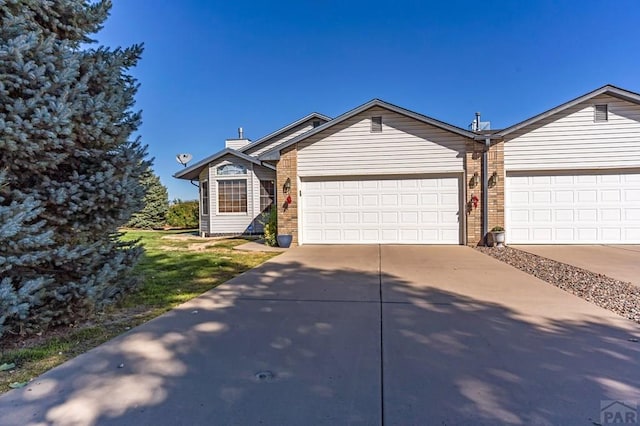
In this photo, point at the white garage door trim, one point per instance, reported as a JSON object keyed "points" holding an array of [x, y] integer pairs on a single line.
{"points": [[415, 209], [573, 207]]}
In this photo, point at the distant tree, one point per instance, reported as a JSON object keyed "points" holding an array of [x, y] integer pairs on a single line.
{"points": [[156, 203], [183, 214], [70, 173]]}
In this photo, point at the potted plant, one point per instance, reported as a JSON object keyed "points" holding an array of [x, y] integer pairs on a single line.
{"points": [[284, 240], [497, 232]]}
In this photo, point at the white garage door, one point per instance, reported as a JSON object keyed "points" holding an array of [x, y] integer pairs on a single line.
{"points": [[392, 211], [576, 208]]}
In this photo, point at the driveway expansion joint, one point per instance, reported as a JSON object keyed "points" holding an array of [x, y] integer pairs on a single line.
{"points": [[276, 299]]}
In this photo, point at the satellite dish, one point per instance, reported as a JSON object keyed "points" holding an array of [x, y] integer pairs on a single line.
{"points": [[184, 159]]}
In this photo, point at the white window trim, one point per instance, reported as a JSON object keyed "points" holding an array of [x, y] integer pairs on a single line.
{"points": [[206, 185], [229, 163], [231, 177]]}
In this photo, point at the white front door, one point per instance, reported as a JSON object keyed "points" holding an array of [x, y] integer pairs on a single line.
{"points": [[573, 208], [378, 210]]}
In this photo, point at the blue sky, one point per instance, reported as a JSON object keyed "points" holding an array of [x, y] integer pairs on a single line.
{"points": [[212, 66]]}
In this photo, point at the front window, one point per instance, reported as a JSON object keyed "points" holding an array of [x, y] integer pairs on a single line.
{"points": [[232, 196], [204, 195], [231, 169], [267, 195]]}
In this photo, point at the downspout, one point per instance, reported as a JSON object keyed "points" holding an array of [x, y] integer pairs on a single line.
{"points": [[485, 190], [253, 198]]}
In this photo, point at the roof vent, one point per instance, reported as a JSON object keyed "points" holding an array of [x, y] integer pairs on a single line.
{"points": [[478, 126], [237, 143], [601, 112]]}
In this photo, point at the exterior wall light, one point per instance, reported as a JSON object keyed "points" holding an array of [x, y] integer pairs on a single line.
{"points": [[474, 180], [286, 188], [493, 180]]}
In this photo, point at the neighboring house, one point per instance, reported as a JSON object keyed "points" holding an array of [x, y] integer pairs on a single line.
{"points": [[381, 174]]}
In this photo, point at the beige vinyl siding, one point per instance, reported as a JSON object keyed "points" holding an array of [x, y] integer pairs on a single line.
{"points": [[572, 140], [290, 134], [405, 146], [236, 143], [232, 223]]}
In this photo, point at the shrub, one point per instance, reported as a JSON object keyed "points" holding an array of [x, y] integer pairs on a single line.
{"points": [[270, 222], [183, 214]]}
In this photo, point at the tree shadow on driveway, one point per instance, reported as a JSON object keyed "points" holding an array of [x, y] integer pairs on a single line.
{"points": [[287, 343]]}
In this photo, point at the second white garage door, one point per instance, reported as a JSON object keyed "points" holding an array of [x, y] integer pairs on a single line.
{"points": [[416, 210], [573, 207]]}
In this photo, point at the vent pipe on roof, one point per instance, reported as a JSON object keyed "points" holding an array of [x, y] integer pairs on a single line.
{"points": [[477, 129], [237, 143]]}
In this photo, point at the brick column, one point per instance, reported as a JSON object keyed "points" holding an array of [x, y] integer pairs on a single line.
{"points": [[287, 167], [496, 190], [473, 164]]}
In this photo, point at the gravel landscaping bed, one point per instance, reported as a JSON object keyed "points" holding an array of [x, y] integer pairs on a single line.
{"points": [[617, 296]]}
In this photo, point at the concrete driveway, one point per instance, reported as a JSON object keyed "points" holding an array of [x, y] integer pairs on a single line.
{"points": [[621, 262], [354, 335]]}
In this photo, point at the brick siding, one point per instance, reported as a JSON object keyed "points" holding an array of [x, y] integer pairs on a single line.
{"points": [[287, 167]]}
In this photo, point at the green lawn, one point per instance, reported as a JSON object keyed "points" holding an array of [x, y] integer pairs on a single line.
{"points": [[176, 267]]}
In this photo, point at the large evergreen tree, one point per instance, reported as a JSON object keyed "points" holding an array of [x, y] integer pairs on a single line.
{"points": [[156, 203], [69, 173]]}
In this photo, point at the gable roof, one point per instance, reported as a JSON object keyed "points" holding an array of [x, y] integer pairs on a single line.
{"points": [[285, 129], [273, 153], [192, 172], [604, 90]]}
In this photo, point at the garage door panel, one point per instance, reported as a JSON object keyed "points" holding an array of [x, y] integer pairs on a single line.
{"points": [[565, 234], [370, 200], [429, 199], [389, 200], [632, 234], [611, 233], [409, 184], [449, 234], [370, 217], [410, 235], [407, 200], [610, 215], [351, 200], [632, 215], [581, 208], [589, 197], [409, 218], [400, 211], [352, 234], [389, 218], [564, 196], [370, 235], [562, 215], [448, 199], [351, 217]]}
